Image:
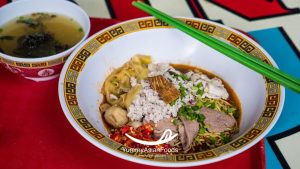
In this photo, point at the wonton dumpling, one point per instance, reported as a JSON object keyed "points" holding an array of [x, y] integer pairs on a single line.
{"points": [[118, 82]]}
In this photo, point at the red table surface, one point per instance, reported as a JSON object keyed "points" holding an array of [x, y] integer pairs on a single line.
{"points": [[34, 132]]}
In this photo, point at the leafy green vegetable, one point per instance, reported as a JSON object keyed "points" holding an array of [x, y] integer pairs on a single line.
{"points": [[1, 30], [195, 108], [182, 76], [202, 130], [175, 121], [201, 117], [30, 22], [80, 30], [231, 109], [200, 92], [175, 75], [173, 102], [199, 89], [207, 104], [194, 88], [212, 140], [199, 85], [212, 105], [225, 138], [183, 110], [189, 113], [199, 104], [182, 90]]}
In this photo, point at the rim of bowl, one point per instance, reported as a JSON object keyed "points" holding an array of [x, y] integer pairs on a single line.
{"points": [[58, 55], [136, 159]]}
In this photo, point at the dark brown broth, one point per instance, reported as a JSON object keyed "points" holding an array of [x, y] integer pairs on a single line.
{"points": [[233, 98]]}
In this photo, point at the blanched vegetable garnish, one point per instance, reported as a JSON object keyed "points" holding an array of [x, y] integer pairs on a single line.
{"points": [[195, 105]]}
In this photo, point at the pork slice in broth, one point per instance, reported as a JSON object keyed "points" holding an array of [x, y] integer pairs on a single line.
{"points": [[162, 125], [217, 121], [187, 132]]}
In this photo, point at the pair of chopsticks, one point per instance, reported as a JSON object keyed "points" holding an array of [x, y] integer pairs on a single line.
{"points": [[234, 53]]}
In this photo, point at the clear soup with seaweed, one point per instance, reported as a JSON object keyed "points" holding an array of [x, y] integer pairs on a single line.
{"points": [[39, 35]]}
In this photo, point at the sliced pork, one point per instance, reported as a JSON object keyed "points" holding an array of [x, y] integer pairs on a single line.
{"points": [[217, 121], [187, 132], [162, 125]]}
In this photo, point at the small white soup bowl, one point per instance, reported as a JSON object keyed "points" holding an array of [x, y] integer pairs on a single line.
{"points": [[49, 67], [85, 71]]}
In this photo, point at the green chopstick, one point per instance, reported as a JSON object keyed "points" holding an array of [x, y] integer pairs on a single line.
{"points": [[209, 38], [232, 52]]}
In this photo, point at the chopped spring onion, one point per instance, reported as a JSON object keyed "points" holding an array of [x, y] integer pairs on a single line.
{"points": [[173, 102], [182, 76], [182, 90], [225, 138], [202, 130], [189, 113]]}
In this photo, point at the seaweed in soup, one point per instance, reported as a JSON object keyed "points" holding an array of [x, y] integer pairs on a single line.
{"points": [[39, 35]]}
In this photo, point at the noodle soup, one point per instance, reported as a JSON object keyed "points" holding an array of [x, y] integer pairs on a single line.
{"points": [[144, 99]]}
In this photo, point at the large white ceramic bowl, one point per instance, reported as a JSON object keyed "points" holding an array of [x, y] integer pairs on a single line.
{"points": [[84, 72]]}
